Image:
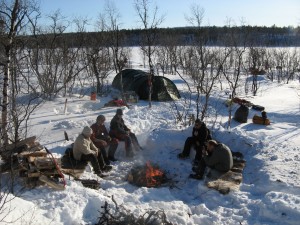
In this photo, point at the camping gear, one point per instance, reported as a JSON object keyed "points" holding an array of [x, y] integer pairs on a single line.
{"points": [[259, 120], [241, 114], [258, 107], [131, 97], [241, 101], [116, 103], [163, 89], [93, 96]]}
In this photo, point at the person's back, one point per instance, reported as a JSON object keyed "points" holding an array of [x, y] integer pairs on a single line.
{"points": [[81, 146], [220, 159]]}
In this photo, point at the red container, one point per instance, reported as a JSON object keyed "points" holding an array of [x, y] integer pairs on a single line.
{"points": [[93, 96]]}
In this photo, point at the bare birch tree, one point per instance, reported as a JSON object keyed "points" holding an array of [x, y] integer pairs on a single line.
{"points": [[150, 20], [120, 54], [99, 57], [15, 16]]}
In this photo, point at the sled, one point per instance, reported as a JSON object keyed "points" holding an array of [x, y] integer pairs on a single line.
{"points": [[259, 120], [258, 107], [242, 102], [229, 181], [72, 167], [58, 170]]}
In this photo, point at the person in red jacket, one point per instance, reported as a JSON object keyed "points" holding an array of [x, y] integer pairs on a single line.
{"points": [[102, 139], [119, 130]]}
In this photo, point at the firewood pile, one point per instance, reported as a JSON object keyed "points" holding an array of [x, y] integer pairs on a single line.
{"points": [[147, 176], [33, 162]]}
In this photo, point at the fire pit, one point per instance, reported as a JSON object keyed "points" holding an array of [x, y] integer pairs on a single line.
{"points": [[147, 176]]}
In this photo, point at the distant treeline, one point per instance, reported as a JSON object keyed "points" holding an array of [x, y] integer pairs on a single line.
{"points": [[210, 36]]}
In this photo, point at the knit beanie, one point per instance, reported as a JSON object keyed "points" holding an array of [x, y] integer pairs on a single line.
{"points": [[87, 131]]}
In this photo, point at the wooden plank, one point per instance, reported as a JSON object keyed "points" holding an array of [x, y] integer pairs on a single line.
{"points": [[27, 141], [44, 163], [51, 183], [36, 148], [39, 153], [35, 174], [73, 172], [39, 173], [18, 147]]}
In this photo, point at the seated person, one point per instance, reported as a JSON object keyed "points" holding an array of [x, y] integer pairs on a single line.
{"points": [[264, 116], [198, 139], [217, 156], [85, 150], [119, 130], [101, 140]]}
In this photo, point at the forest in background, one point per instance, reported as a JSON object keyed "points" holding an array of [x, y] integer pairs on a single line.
{"points": [[214, 36]]}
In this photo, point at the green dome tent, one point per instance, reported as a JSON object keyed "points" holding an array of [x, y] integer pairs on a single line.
{"points": [[137, 80]]}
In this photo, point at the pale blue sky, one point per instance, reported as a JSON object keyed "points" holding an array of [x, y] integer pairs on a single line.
{"points": [[253, 12]]}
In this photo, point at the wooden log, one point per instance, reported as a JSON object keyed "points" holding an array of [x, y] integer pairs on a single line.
{"points": [[73, 172], [45, 173], [34, 174], [17, 147], [36, 148], [6, 154], [28, 141], [41, 153], [51, 183], [44, 163]]}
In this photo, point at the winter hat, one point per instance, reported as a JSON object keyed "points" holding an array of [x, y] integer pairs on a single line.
{"points": [[87, 131], [119, 112], [212, 142], [100, 117]]}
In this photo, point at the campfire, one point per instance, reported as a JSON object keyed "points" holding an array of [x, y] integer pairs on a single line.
{"points": [[147, 176]]}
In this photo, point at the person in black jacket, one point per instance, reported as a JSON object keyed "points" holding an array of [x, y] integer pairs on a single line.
{"points": [[201, 134], [119, 130]]}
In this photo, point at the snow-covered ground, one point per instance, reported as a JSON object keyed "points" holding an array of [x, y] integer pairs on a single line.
{"points": [[269, 194]]}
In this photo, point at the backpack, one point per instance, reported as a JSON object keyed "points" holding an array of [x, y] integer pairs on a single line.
{"points": [[69, 152]]}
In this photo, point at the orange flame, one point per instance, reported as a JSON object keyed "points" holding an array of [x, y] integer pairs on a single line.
{"points": [[151, 174]]}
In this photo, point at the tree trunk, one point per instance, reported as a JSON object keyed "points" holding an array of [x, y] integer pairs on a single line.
{"points": [[6, 79]]}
